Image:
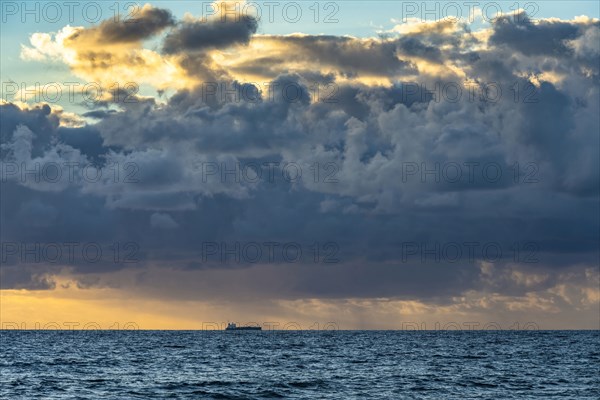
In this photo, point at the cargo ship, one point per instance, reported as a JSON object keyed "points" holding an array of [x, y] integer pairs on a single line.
{"points": [[234, 327]]}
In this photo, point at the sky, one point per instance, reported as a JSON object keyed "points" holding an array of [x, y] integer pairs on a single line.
{"points": [[300, 165]]}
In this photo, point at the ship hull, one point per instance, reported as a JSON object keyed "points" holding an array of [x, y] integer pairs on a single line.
{"points": [[245, 328]]}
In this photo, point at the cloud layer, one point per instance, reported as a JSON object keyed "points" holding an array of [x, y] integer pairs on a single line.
{"points": [[404, 143]]}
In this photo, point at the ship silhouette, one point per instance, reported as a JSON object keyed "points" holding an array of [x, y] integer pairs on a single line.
{"points": [[233, 327]]}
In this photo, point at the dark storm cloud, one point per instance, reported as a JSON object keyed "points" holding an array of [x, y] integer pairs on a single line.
{"points": [[369, 134], [349, 55], [546, 38], [144, 23], [150, 22], [412, 46], [22, 277], [205, 35], [86, 139], [40, 117]]}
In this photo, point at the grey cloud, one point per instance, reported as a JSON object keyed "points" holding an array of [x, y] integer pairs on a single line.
{"points": [[144, 23], [45, 124], [368, 134], [204, 35], [350, 56], [22, 277], [545, 38], [412, 46]]}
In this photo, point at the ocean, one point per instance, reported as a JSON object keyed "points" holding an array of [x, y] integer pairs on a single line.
{"points": [[300, 365]]}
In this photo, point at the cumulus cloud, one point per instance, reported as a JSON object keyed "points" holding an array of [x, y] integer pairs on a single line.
{"points": [[146, 22], [546, 37], [215, 33]]}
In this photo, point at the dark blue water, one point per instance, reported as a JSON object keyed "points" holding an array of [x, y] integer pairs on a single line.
{"points": [[302, 365]]}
